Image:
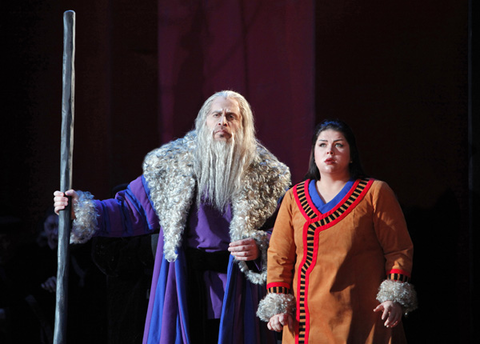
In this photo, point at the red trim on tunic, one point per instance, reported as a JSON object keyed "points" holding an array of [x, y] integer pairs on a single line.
{"points": [[278, 284], [317, 222], [400, 272]]}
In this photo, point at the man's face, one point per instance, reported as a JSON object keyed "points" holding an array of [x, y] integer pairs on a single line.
{"points": [[224, 119], [51, 230]]}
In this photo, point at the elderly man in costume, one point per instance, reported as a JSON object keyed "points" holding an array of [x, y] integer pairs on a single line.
{"points": [[212, 195]]}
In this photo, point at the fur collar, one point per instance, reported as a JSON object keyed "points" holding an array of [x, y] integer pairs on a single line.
{"points": [[168, 171]]}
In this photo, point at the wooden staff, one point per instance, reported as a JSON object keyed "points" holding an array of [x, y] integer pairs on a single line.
{"points": [[66, 156]]}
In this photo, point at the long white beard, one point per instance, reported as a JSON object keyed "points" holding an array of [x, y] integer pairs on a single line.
{"points": [[219, 167]]}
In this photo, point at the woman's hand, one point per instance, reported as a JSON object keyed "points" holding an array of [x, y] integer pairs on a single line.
{"points": [[277, 322], [391, 312], [245, 249], [60, 200]]}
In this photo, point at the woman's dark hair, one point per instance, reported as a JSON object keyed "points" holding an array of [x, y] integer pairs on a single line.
{"points": [[356, 169]]}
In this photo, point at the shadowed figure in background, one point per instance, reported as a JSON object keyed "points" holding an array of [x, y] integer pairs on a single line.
{"points": [[86, 321], [212, 195], [28, 287]]}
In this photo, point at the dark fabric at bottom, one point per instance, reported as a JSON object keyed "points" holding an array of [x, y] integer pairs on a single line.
{"points": [[202, 330]]}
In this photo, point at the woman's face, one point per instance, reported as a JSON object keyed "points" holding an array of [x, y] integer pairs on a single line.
{"points": [[332, 154]]}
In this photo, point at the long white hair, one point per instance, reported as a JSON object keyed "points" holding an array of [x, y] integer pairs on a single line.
{"points": [[220, 165]]}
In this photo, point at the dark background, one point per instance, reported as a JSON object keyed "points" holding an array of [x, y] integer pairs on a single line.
{"points": [[399, 72]]}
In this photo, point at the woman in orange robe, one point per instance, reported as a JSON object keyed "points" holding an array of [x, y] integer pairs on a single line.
{"points": [[340, 255]]}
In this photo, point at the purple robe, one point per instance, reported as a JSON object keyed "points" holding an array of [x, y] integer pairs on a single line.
{"points": [[231, 296]]}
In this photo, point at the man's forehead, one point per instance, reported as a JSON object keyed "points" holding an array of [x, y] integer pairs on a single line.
{"points": [[220, 104]]}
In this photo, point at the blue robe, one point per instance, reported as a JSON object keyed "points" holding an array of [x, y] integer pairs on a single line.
{"points": [[167, 322]]}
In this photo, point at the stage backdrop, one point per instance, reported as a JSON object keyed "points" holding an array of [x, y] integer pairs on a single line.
{"points": [[396, 71]]}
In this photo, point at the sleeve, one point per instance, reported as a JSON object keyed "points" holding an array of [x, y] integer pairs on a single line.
{"points": [[262, 238], [281, 263], [130, 213], [256, 270], [392, 233]]}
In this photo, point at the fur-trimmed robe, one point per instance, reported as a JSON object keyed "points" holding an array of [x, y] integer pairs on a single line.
{"points": [[162, 197]]}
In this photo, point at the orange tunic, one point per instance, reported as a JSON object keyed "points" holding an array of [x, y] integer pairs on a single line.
{"points": [[334, 263]]}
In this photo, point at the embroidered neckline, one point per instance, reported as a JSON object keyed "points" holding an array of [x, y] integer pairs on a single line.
{"points": [[351, 199]]}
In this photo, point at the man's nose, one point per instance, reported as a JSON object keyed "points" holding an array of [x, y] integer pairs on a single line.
{"points": [[222, 120]]}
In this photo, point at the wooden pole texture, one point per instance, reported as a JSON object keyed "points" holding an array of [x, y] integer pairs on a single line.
{"points": [[66, 156]]}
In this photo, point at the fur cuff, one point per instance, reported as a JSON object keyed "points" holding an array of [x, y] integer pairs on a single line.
{"points": [[262, 239], [85, 223], [274, 304], [400, 292]]}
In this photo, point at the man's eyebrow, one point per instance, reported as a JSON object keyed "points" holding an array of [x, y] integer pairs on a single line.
{"points": [[221, 110]]}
